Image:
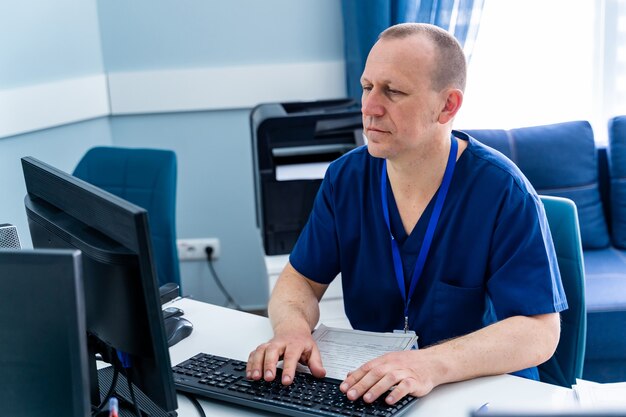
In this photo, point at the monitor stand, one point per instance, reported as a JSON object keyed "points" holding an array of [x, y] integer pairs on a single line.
{"points": [[146, 406]]}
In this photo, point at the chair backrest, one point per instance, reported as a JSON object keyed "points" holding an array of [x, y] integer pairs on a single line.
{"points": [[147, 178], [567, 362]]}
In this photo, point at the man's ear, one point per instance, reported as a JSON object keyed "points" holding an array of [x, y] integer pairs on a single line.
{"points": [[454, 99]]}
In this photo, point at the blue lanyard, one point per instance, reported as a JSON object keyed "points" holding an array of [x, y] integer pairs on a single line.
{"points": [[428, 237]]}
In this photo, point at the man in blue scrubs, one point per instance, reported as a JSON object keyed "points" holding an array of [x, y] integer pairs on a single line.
{"points": [[432, 232]]}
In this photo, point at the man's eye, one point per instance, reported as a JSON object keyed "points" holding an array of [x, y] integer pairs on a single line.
{"points": [[393, 92], [366, 87]]}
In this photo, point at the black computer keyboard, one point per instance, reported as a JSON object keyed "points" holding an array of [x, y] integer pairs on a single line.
{"points": [[224, 379]]}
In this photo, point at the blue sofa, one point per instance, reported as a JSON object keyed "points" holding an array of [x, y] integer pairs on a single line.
{"points": [[562, 160]]}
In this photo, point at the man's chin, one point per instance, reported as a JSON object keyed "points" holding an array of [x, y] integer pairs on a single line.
{"points": [[376, 150]]}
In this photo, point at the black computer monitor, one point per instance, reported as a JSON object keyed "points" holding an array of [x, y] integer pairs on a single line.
{"points": [[43, 348], [123, 312]]}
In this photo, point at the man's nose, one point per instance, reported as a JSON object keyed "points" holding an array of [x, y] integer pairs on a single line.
{"points": [[371, 104]]}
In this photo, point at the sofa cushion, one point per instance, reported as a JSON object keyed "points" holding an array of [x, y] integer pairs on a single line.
{"points": [[617, 169], [604, 370], [605, 292], [605, 280], [558, 160]]}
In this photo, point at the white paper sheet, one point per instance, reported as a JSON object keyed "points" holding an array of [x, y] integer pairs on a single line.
{"points": [[309, 171], [344, 350], [600, 396]]}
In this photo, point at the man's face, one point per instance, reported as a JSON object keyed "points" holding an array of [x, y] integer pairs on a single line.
{"points": [[400, 108]]}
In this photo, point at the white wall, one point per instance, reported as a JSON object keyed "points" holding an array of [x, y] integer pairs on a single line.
{"points": [[52, 92], [164, 74]]}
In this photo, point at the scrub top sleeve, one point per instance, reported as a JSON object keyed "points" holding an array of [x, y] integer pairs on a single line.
{"points": [[524, 276], [316, 253]]}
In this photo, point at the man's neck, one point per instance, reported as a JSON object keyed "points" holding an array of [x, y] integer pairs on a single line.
{"points": [[415, 180], [421, 172]]}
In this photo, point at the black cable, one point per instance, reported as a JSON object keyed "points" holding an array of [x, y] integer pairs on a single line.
{"points": [[105, 400], [96, 410], [230, 301], [132, 393], [196, 404]]}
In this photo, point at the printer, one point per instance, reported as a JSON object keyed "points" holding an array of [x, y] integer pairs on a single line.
{"points": [[292, 144]]}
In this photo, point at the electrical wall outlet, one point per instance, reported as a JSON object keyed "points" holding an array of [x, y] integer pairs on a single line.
{"points": [[194, 249]]}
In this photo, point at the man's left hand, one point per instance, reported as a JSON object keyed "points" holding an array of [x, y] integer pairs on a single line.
{"points": [[408, 372]]}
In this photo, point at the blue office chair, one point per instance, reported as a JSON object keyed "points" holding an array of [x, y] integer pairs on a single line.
{"points": [[147, 178], [567, 362]]}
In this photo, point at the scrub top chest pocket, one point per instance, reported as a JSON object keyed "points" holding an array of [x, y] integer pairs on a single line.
{"points": [[456, 310]]}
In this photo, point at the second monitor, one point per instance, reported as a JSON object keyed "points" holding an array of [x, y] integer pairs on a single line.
{"points": [[124, 318]]}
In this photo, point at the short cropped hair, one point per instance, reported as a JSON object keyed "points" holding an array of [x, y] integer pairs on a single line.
{"points": [[450, 65]]}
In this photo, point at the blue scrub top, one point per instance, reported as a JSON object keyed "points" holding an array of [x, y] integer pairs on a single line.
{"points": [[491, 257]]}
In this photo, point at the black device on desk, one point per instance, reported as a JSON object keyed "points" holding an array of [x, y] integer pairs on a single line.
{"points": [[43, 348], [287, 134], [124, 320], [224, 379], [176, 329]]}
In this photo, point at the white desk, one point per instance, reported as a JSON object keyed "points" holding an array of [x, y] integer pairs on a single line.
{"points": [[226, 332]]}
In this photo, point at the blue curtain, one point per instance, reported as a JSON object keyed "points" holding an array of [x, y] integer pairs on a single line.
{"points": [[363, 20]]}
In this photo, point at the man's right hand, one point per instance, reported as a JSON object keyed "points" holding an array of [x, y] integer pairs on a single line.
{"points": [[294, 311], [291, 344]]}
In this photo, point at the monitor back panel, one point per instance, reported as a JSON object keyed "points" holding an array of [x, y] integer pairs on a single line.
{"points": [[43, 348]]}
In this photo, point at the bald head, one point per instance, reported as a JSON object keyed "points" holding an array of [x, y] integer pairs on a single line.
{"points": [[450, 67]]}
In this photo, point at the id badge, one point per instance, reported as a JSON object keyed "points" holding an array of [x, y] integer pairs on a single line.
{"points": [[410, 333]]}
